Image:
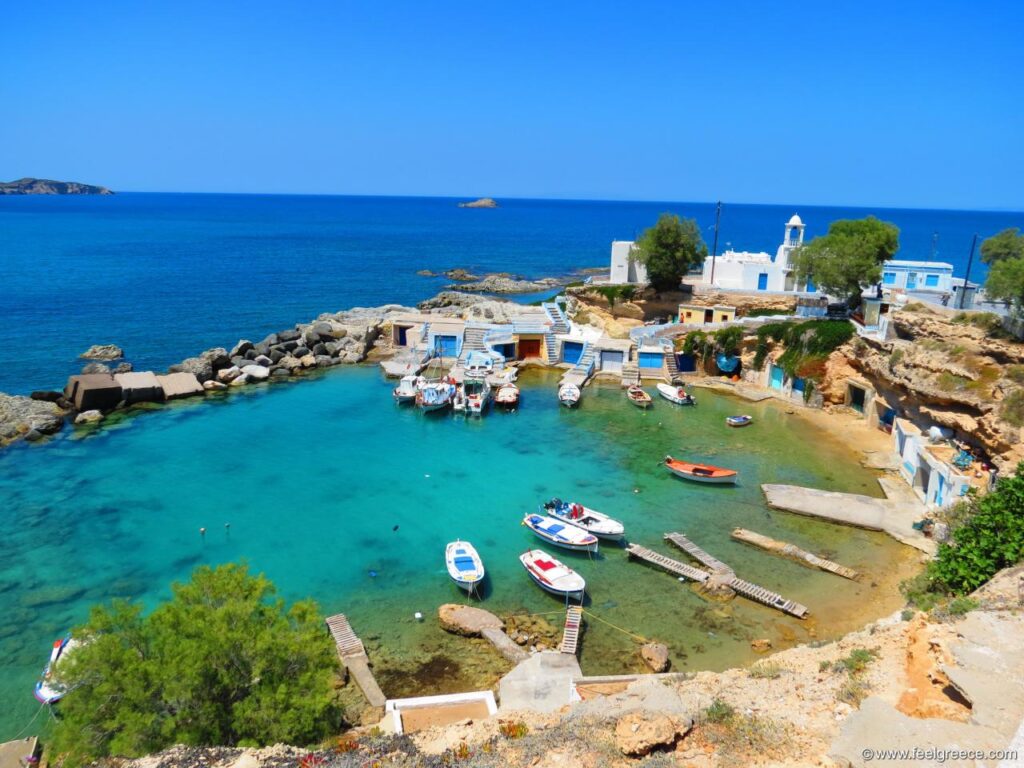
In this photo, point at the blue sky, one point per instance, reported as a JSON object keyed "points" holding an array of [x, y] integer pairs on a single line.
{"points": [[902, 104]]}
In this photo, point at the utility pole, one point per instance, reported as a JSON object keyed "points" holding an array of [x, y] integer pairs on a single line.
{"points": [[967, 278], [714, 248], [935, 245]]}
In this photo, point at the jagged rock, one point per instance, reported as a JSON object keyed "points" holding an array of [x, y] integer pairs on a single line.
{"points": [[123, 368], [256, 372], [88, 417], [243, 346], [761, 645], [639, 733], [95, 368], [450, 299], [483, 202], [655, 656], [263, 360], [47, 395], [19, 415], [226, 375], [500, 283], [199, 367], [103, 352], [466, 620], [289, 335]]}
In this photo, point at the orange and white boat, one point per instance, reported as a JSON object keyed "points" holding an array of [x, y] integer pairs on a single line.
{"points": [[701, 473]]}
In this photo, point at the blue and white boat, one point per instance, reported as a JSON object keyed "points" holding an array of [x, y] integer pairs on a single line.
{"points": [[553, 576], [49, 689], [464, 565], [588, 519], [560, 533], [739, 421]]}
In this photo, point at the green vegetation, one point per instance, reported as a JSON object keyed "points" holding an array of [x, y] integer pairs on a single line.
{"points": [[616, 292], [1004, 253], [951, 382], [737, 734], [895, 358], [807, 345], [849, 258], [720, 711], [669, 250], [705, 344], [987, 321], [1012, 408], [856, 662], [1015, 373], [224, 662], [1004, 246], [766, 670]]}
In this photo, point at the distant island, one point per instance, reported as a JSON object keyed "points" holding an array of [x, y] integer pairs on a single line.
{"points": [[29, 186], [483, 202]]}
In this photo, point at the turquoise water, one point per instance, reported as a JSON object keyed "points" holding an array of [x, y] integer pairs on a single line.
{"points": [[314, 477]]}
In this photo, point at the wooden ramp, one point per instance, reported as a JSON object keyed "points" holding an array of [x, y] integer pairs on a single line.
{"points": [[794, 552], [353, 655], [667, 563], [696, 552], [573, 628], [767, 597]]}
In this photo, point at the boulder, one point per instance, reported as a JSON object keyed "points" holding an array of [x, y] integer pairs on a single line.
{"points": [[300, 351], [288, 346], [217, 357], [123, 368], [308, 361], [352, 357], [239, 381], [276, 356], [46, 395], [256, 372], [271, 340], [761, 645], [180, 384], [466, 620], [325, 361], [20, 415], [263, 360], [655, 656], [89, 417], [95, 368], [323, 329], [214, 384], [640, 733], [280, 373], [199, 367], [240, 361], [94, 391], [319, 349], [291, 335], [102, 352], [243, 346], [225, 375], [260, 349]]}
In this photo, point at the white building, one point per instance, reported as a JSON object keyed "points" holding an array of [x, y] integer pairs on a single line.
{"points": [[625, 268], [918, 276], [743, 270]]}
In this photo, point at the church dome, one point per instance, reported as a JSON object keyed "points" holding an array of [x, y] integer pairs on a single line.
{"points": [[795, 222]]}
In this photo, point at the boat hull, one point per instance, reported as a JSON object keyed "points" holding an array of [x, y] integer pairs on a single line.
{"points": [[552, 576], [739, 421], [470, 575], [550, 589], [699, 479], [591, 521], [672, 395], [584, 540], [701, 473]]}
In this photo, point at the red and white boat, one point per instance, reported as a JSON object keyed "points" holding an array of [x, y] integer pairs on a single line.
{"points": [[701, 473], [508, 395], [553, 576]]}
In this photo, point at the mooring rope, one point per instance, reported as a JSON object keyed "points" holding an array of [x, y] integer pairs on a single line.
{"points": [[633, 635]]}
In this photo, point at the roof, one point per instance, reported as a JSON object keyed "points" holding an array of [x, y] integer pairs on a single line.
{"points": [[913, 264], [794, 221]]}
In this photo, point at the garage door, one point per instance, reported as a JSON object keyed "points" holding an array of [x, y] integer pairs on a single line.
{"points": [[777, 377], [572, 351], [611, 361], [447, 346], [651, 360]]}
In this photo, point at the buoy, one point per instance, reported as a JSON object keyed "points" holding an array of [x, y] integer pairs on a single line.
{"points": [[636, 490], [202, 531], [418, 616]]}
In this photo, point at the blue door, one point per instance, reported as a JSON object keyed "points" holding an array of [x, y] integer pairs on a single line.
{"points": [[811, 287], [777, 377], [651, 360], [911, 281], [572, 351], [447, 346], [762, 281], [798, 385], [939, 493]]}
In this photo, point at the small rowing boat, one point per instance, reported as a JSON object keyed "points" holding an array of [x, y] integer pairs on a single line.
{"points": [[701, 473], [591, 520], [676, 394], [561, 534], [49, 689], [464, 565], [507, 396], [638, 397], [569, 395], [553, 576], [405, 392], [738, 421]]}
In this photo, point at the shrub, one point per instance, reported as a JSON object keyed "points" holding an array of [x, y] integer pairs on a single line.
{"points": [[987, 321], [853, 691], [766, 670], [895, 357], [958, 606], [513, 730], [951, 382], [719, 712], [1015, 373], [857, 661], [807, 345], [1012, 409], [766, 312]]}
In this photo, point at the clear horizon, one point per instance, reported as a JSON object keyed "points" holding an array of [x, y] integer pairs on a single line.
{"points": [[905, 106]]}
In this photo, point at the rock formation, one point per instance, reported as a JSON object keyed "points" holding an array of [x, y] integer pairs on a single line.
{"points": [[30, 186], [102, 352], [483, 202]]}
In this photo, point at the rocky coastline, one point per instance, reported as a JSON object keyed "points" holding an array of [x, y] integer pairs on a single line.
{"points": [[32, 186]]}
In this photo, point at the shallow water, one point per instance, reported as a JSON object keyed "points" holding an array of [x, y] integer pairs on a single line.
{"points": [[313, 478]]}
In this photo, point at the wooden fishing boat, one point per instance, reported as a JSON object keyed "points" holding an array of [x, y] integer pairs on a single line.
{"points": [[552, 575], [591, 520], [569, 395], [464, 565], [49, 689], [676, 394], [739, 421], [435, 395], [561, 534], [405, 392], [507, 396], [638, 397], [701, 473]]}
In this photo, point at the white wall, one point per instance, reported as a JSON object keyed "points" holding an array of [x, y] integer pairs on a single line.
{"points": [[624, 270]]}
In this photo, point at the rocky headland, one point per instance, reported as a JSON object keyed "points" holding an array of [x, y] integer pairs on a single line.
{"points": [[482, 202], [31, 186]]}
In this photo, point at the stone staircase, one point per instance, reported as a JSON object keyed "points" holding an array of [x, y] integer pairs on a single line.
{"points": [[472, 340], [559, 323], [630, 374], [551, 348], [671, 367], [586, 362]]}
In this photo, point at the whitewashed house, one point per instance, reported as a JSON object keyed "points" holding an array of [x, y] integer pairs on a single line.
{"points": [[746, 271], [625, 269], [918, 276]]}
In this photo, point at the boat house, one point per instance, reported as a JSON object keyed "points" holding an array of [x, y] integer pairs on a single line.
{"points": [[693, 314], [928, 467]]}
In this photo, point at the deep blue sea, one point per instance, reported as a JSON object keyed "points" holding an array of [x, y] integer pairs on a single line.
{"points": [[168, 275]]}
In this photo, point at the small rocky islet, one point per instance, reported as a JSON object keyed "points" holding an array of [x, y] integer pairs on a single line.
{"points": [[33, 186]]}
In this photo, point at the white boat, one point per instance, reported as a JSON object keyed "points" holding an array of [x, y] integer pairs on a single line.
{"points": [[569, 395], [591, 520], [560, 533], [739, 421], [676, 394], [459, 400], [553, 576], [405, 392], [478, 395], [479, 364], [435, 395], [507, 395], [464, 565], [49, 689]]}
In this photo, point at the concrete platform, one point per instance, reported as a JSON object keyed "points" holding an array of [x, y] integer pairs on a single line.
{"points": [[180, 384], [542, 683], [13, 753]]}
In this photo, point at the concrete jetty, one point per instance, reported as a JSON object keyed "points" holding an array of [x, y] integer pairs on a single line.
{"points": [[892, 515], [793, 552], [353, 655], [469, 621]]}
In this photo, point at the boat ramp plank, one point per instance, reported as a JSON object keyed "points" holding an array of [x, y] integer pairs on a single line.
{"points": [[353, 655], [767, 597], [670, 565], [573, 627], [792, 551], [696, 552]]}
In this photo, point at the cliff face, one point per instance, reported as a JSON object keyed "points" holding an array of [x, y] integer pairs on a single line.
{"points": [[29, 186]]}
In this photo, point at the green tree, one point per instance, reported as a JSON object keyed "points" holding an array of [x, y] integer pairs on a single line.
{"points": [[848, 258], [224, 662], [1007, 245], [669, 249]]}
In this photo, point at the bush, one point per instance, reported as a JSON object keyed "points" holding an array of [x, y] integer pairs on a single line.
{"points": [[766, 670], [987, 321], [765, 312], [616, 292], [807, 345], [1015, 373], [1012, 409], [857, 661], [958, 606], [719, 712]]}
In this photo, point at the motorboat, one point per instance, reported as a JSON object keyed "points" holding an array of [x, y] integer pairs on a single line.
{"points": [[590, 520], [676, 394], [49, 689], [553, 576], [560, 533], [569, 395], [435, 395], [464, 565], [739, 421], [478, 364], [638, 397], [478, 395], [406, 390], [507, 395], [701, 473]]}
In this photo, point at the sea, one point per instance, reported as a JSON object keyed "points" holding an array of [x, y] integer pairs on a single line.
{"points": [[338, 494]]}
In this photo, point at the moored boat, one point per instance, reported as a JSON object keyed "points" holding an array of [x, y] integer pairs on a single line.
{"points": [[701, 473], [507, 395], [738, 421], [464, 565], [405, 392], [561, 534], [569, 395], [49, 689], [435, 395], [552, 575], [478, 395], [676, 394], [638, 397], [590, 520]]}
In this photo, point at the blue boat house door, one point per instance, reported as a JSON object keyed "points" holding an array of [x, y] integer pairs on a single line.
{"points": [[762, 281], [446, 346], [572, 351], [911, 281], [777, 377]]}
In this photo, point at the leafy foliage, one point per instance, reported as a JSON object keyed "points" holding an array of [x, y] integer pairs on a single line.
{"points": [[849, 258], [807, 345], [223, 662], [1005, 282], [1012, 409], [704, 344], [1007, 245], [615, 292], [669, 250]]}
